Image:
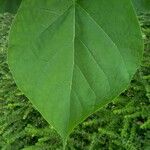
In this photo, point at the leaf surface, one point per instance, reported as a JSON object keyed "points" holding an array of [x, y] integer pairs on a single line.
{"points": [[142, 6], [71, 58], [9, 6]]}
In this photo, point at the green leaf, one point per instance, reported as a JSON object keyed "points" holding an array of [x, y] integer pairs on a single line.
{"points": [[141, 5], [9, 6], [71, 58]]}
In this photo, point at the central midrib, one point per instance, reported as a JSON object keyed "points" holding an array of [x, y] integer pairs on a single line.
{"points": [[73, 40]]}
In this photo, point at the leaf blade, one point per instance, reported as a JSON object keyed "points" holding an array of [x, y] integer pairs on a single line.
{"points": [[75, 59]]}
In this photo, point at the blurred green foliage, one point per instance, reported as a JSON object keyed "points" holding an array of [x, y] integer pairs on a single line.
{"points": [[9, 5], [141, 5], [123, 124]]}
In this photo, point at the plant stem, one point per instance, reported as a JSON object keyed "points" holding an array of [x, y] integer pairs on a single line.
{"points": [[64, 144]]}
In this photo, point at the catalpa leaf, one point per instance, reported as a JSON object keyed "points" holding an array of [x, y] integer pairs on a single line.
{"points": [[70, 58]]}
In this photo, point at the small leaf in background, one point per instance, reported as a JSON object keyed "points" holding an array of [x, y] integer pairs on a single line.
{"points": [[71, 58], [9, 6], [141, 5]]}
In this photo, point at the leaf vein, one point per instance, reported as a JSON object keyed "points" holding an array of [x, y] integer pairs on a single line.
{"points": [[96, 61], [106, 35]]}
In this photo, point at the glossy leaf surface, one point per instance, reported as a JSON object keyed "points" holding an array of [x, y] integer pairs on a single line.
{"points": [[71, 58]]}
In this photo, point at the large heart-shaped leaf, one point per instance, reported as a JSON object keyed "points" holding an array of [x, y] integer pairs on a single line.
{"points": [[71, 58]]}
